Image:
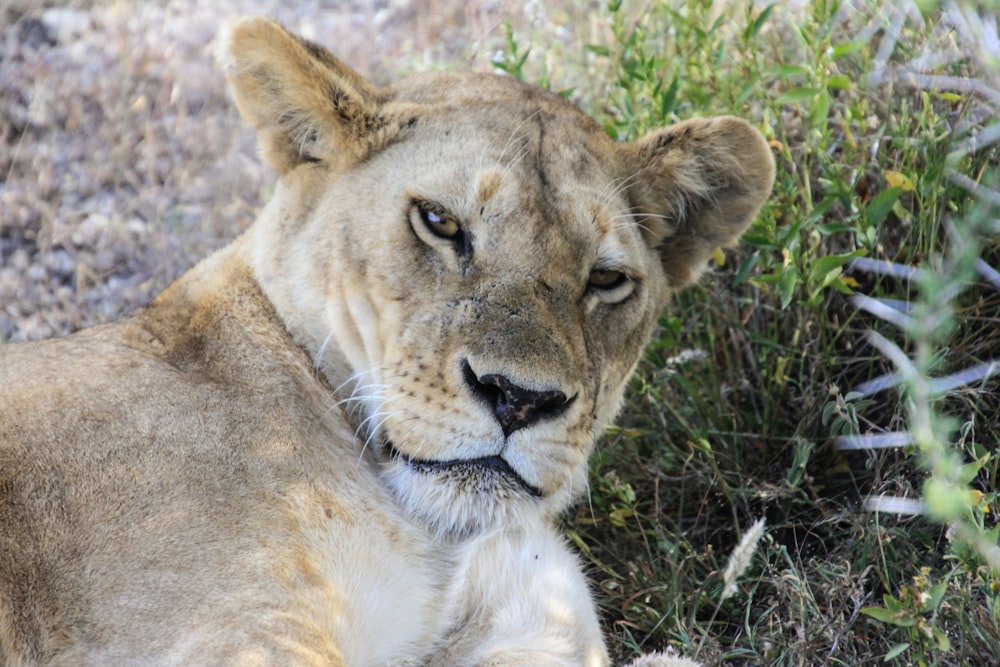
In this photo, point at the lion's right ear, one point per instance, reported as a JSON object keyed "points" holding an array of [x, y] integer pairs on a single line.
{"points": [[698, 185], [305, 104]]}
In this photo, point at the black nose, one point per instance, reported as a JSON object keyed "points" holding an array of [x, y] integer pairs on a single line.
{"points": [[514, 406]]}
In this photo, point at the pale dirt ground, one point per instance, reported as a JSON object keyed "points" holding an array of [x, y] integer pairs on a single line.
{"points": [[122, 160]]}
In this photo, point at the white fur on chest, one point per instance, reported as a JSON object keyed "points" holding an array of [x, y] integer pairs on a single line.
{"points": [[344, 575], [378, 583], [398, 597], [397, 608]]}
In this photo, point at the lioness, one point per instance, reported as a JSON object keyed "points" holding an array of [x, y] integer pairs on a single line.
{"points": [[344, 438]]}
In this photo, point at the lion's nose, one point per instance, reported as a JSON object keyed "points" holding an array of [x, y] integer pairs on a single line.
{"points": [[515, 407]]}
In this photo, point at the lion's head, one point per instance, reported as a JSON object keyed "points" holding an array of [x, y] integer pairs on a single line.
{"points": [[474, 265]]}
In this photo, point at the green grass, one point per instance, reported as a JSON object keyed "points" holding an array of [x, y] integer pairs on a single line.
{"points": [[872, 163]]}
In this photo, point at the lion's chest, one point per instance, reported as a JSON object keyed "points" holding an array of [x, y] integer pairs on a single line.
{"points": [[378, 584]]}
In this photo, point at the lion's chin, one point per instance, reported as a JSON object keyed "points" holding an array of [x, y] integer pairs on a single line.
{"points": [[458, 499], [482, 471]]}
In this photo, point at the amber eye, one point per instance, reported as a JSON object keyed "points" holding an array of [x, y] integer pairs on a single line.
{"points": [[440, 224], [607, 279]]}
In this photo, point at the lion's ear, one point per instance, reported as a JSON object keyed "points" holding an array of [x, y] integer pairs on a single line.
{"points": [[305, 104], [697, 186]]}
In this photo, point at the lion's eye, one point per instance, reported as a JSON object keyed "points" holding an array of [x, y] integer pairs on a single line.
{"points": [[607, 279], [439, 224]]}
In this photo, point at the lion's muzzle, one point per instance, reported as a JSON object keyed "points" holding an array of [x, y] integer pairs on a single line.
{"points": [[515, 407]]}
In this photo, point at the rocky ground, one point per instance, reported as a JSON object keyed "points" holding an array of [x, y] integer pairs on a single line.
{"points": [[122, 160]]}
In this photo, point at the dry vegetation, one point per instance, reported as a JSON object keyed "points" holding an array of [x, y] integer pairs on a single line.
{"points": [[121, 159]]}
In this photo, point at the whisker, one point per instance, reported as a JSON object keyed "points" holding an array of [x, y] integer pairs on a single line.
{"points": [[372, 432], [321, 351], [513, 132], [616, 187]]}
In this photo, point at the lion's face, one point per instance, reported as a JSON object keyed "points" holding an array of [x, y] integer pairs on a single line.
{"points": [[509, 303], [491, 265]]}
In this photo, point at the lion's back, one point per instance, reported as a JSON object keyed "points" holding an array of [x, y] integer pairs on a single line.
{"points": [[121, 472], [77, 475]]}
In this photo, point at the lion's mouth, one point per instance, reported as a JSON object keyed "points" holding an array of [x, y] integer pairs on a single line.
{"points": [[495, 464]]}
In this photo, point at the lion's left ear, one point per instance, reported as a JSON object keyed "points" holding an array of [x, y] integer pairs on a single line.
{"points": [[697, 186], [304, 103]]}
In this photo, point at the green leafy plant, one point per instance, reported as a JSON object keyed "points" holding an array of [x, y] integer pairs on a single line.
{"points": [[512, 58], [832, 374], [757, 374], [915, 611]]}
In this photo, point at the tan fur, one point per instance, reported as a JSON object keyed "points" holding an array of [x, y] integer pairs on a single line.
{"points": [[264, 466]]}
